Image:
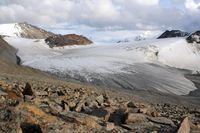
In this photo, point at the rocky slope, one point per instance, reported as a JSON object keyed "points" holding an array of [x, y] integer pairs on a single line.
{"points": [[194, 37], [56, 106], [33, 32], [34, 102], [173, 33], [24, 30], [67, 40], [8, 53]]}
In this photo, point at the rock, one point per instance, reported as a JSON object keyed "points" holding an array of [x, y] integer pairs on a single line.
{"points": [[139, 127], [154, 132], [173, 33], [99, 112], [135, 117], [130, 104], [118, 116], [155, 114], [30, 128], [65, 106], [67, 40], [87, 110], [27, 90], [194, 37], [28, 98], [198, 125], [41, 93], [100, 99], [185, 126], [79, 106], [2, 93], [143, 110], [6, 115], [92, 104], [133, 110], [71, 105], [91, 123], [56, 108], [161, 120], [110, 126]]}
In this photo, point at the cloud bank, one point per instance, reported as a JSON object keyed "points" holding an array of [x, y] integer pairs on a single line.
{"points": [[123, 14]]}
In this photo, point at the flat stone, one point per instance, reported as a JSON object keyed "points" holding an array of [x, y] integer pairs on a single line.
{"points": [[138, 126], [135, 117], [41, 93], [161, 120]]}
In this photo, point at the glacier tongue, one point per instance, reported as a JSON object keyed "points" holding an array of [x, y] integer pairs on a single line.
{"points": [[140, 65]]}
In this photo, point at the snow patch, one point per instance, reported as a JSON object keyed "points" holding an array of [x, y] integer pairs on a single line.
{"points": [[13, 30]]}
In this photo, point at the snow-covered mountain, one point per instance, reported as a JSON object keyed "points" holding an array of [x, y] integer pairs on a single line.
{"points": [[140, 36], [23, 30], [149, 65]]}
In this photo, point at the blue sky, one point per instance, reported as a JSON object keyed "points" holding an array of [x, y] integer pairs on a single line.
{"points": [[165, 3]]}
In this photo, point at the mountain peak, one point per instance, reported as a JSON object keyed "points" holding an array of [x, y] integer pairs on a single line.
{"points": [[24, 30]]}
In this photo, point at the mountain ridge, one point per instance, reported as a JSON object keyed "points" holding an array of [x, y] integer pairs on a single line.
{"points": [[24, 30]]}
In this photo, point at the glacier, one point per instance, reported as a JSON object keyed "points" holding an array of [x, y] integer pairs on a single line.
{"points": [[146, 65]]}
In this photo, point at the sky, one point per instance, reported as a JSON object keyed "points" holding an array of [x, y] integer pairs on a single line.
{"points": [[104, 14]]}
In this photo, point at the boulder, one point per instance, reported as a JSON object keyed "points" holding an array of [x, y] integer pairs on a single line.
{"points": [[185, 126], [27, 90], [135, 117], [118, 116]]}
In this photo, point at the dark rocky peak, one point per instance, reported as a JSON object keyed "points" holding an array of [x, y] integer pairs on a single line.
{"points": [[67, 40], [173, 33], [194, 37]]}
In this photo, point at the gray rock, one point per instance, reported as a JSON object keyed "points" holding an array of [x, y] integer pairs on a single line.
{"points": [[100, 99], [162, 120], [135, 117], [2, 93]]}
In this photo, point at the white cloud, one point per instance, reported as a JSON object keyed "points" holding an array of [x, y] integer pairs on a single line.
{"points": [[192, 5], [127, 14], [147, 2]]}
